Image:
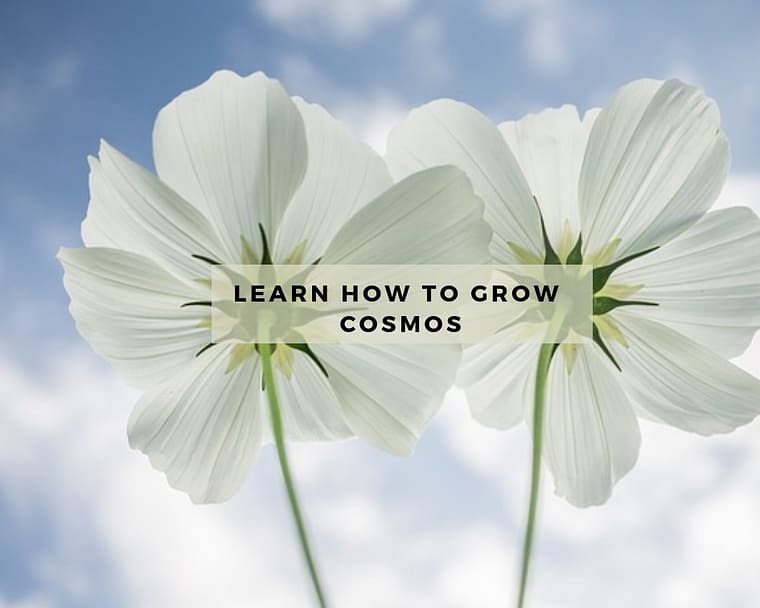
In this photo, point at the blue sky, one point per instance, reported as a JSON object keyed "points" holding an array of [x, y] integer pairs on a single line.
{"points": [[86, 522]]}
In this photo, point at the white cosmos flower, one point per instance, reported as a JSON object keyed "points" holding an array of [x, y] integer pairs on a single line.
{"points": [[634, 181], [236, 157]]}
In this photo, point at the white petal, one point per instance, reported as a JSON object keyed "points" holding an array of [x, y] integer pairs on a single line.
{"points": [[682, 383], [388, 394], [656, 161], [310, 410], [431, 217], [202, 428], [706, 281], [131, 209], [591, 435], [549, 147], [236, 148], [343, 175], [448, 132], [129, 310], [499, 380]]}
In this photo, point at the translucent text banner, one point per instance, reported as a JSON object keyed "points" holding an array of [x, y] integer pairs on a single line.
{"points": [[401, 304]]}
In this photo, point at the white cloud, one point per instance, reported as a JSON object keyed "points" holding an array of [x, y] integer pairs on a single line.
{"points": [[721, 549], [353, 519], [467, 564], [65, 467], [554, 32], [487, 578], [484, 450], [24, 93], [347, 20], [684, 70], [62, 72], [371, 114], [427, 49], [680, 530], [547, 44], [169, 553], [750, 359], [741, 189], [372, 119], [63, 446], [32, 602], [302, 77]]}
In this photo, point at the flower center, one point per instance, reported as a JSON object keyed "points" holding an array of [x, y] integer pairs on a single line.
{"points": [[607, 295], [282, 352]]}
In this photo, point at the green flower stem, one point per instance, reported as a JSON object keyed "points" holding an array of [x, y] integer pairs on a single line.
{"points": [[542, 371], [274, 408]]}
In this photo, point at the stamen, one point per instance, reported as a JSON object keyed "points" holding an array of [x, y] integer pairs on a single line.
{"points": [[610, 330], [523, 255], [619, 290], [296, 256], [249, 256]]}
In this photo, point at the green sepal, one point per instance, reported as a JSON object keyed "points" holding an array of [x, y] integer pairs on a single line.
{"points": [[203, 258], [266, 256], [575, 257], [603, 304], [603, 273], [196, 303], [550, 257], [306, 349], [205, 348], [600, 343]]}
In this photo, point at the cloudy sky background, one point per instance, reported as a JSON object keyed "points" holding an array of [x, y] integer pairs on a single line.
{"points": [[85, 522]]}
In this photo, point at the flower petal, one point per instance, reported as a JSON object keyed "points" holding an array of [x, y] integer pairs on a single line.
{"points": [[591, 435], [343, 175], [431, 217], [706, 281], [129, 310], [202, 428], [309, 407], [389, 393], [131, 209], [499, 381], [549, 147], [681, 382], [656, 161], [449, 132], [235, 148]]}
